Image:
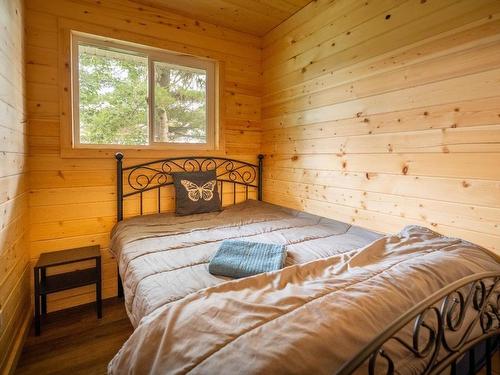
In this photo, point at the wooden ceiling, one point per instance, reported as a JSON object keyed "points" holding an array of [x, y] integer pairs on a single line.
{"points": [[251, 16]]}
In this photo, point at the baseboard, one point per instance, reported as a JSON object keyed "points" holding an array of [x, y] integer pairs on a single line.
{"points": [[11, 362]]}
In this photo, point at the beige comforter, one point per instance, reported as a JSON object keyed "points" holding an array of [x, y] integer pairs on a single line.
{"points": [[163, 258], [304, 319]]}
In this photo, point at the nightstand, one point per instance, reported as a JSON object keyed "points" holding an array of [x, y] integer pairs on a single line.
{"points": [[68, 280]]}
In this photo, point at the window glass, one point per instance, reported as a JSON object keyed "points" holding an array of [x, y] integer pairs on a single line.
{"points": [[179, 104], [113, 105], [133, 95]]}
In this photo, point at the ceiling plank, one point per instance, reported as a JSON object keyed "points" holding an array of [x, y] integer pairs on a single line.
{"points": [[255, 17]]}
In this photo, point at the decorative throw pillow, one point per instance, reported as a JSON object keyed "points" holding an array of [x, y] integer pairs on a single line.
{"points": [[196, 192]]}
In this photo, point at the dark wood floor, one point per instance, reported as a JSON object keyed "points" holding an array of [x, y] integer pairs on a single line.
{"points": [[75, 342]]}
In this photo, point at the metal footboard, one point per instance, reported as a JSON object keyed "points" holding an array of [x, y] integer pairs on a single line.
{"points": [[445, 330]]}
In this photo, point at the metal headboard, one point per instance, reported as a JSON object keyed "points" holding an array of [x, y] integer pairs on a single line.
{"points": [[447, 325], [155, 175]]}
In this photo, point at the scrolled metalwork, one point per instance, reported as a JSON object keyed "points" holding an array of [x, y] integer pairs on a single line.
{"points": [[151, 175], [445, 326], [373, 362]]}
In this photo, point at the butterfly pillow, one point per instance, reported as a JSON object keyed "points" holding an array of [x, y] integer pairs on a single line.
{"points": [[196, 192]]}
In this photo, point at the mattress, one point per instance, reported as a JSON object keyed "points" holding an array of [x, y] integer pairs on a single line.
{"points": [[162, 258]]}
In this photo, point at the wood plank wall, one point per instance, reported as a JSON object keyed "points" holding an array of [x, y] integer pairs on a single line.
{"points": [[72, 201], [14, 195], [386, 113]]}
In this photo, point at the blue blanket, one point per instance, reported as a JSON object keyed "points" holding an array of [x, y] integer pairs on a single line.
{"points": [[241, 258]]}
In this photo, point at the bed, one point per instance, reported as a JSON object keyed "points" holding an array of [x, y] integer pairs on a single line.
{"points": [[349, 300]]}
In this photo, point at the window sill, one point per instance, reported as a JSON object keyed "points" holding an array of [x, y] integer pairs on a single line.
{"points": [[136, 153]]}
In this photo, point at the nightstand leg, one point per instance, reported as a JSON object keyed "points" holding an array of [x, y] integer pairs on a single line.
{"points": [[44, 296], [37, 302], [98, 288]]}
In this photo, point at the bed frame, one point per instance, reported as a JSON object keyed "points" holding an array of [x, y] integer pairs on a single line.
{"points": [[155, 175], [468, 309], [450, 330]]}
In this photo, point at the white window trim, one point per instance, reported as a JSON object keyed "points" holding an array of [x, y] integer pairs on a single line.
{"points": [[153, 55]]}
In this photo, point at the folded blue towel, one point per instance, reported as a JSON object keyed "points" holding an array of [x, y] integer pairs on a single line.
{"points": [[241, 258]]}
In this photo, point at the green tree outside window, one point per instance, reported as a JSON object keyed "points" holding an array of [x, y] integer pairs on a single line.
{"points": [[114, 99]]}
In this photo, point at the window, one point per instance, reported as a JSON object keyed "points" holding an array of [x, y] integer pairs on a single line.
{"points": [[129, 95]]}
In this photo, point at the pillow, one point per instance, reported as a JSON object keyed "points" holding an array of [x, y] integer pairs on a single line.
{"points": [[196, 192]]}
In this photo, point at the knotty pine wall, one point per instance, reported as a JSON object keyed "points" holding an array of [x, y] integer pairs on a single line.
{"points": [[14, 219], [386, 113], [72, 200]]}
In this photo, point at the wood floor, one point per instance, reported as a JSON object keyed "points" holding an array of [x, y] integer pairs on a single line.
{"points": [[75, 342]]}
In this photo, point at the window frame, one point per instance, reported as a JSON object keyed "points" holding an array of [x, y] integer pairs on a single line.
{"points": [[153, 55]]}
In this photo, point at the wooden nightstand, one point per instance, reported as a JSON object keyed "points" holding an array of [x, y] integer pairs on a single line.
{"points": [[50, 284]]}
